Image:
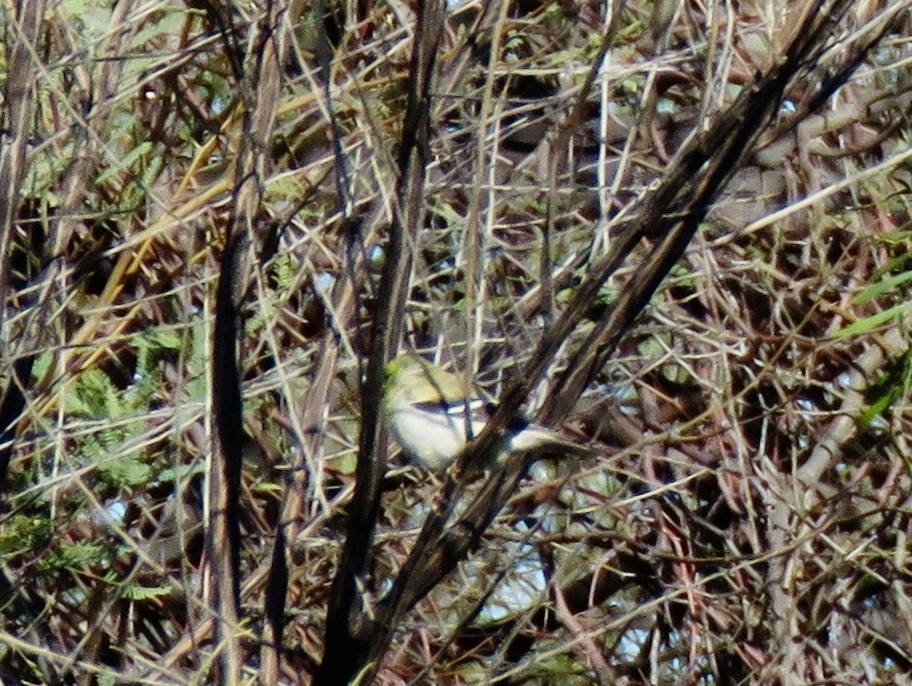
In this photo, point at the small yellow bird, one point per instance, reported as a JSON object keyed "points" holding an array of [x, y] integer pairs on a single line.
{"points": [[426, 406]]}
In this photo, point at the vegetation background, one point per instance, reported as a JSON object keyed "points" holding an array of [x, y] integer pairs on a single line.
{"points": [[218, 219]]}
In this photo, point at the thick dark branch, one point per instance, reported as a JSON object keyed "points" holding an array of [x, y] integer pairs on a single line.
{"points": [[351, 636]]}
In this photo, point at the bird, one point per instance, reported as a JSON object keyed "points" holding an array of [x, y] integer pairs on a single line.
{"points": [[432, 415]]}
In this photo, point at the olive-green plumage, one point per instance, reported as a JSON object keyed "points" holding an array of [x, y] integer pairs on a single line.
{"points": [[426, 408]]}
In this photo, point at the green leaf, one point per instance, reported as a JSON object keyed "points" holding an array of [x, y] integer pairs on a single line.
{"points": [[875, 290], [94, 396], [146, 592], [23, 533], [126, 163], [892, 385], [127, 471], [77, 555], [869, 324]]}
